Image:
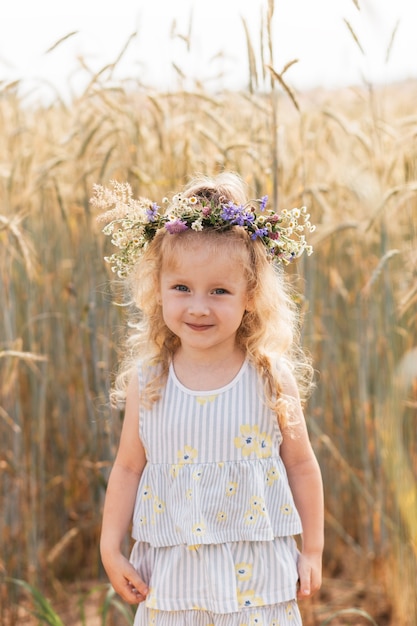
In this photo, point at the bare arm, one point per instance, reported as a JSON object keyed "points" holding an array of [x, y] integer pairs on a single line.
{"points": [[119, 503], [306, 485]]}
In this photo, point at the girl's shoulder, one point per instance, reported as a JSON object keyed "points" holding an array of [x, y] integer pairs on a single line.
{"points": [[283, 367], [280, 374], [286, 377]]}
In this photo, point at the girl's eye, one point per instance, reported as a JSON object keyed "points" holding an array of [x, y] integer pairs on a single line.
{"points": [[220, 291], [181, 288]]}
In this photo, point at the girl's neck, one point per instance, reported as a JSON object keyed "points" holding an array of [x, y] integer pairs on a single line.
{"points": [[202, 373]]}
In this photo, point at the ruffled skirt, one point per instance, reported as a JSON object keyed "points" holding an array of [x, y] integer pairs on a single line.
{"points": [[231, 584], [284, 614]]}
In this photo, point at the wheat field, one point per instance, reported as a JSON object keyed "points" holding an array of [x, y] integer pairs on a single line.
{"points": [[350, 156]]}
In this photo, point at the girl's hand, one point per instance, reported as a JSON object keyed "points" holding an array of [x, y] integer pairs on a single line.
{"points": [[125, 579], [309, 572]]}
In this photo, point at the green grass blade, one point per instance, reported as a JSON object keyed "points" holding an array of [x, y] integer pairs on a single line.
{"points": [[43, 609]]}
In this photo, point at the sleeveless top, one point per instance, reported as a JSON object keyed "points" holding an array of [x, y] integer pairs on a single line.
{"points": [[214, 514]]}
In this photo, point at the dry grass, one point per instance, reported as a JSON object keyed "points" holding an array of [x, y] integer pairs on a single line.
{"points": [[351, 157]]}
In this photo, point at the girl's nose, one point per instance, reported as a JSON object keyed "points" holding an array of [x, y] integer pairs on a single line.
{"points": [[198, 306]]}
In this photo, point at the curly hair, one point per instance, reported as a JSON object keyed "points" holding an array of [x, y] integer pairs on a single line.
{"points": [[269, 331]]}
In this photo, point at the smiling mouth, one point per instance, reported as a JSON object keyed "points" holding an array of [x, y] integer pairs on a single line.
{"points": [[199, 327]]}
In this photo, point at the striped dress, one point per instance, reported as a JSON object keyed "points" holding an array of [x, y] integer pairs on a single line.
{"points": [[214, 516]]}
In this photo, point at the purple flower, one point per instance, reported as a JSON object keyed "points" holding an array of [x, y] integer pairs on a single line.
{"points": [[229, 212], [236, 214], [151, 213], [245, 218], [259, 232], [176, 226], [239, 219], [263, 204]]}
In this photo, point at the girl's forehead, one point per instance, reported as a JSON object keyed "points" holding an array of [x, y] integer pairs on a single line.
{"points": [[205, 271], [191, 250]]}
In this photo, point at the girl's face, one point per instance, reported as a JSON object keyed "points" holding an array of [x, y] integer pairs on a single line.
{"points": [[204, 297]]}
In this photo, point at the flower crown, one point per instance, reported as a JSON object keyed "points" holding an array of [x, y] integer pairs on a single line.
{"points": [[133, 223]]}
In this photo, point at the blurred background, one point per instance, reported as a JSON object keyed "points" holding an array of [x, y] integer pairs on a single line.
{"points": [[313, 103], [206, 41]]}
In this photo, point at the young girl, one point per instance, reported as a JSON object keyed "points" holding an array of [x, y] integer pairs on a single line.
{"points": [[214, 465]]}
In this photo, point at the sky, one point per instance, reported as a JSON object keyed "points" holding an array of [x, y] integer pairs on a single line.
{"points": [[205, 39]]}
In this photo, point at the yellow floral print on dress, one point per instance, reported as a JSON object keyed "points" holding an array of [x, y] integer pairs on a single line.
{"points": [[286, 509], [204, 399], [257, 503], [251, 441], [256, 507], [256, 620], [243, 571], [271, 476], [248, 440], [248, 599], [151, 602], [175, 470], [187, 455], [158, 505], [221, 516], [290, 611], [146, 493], [251, 517], [199, 529], [264, 450], [231, 489]]}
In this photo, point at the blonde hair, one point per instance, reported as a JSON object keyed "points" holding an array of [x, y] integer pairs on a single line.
{"points": [[269, 331]]}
